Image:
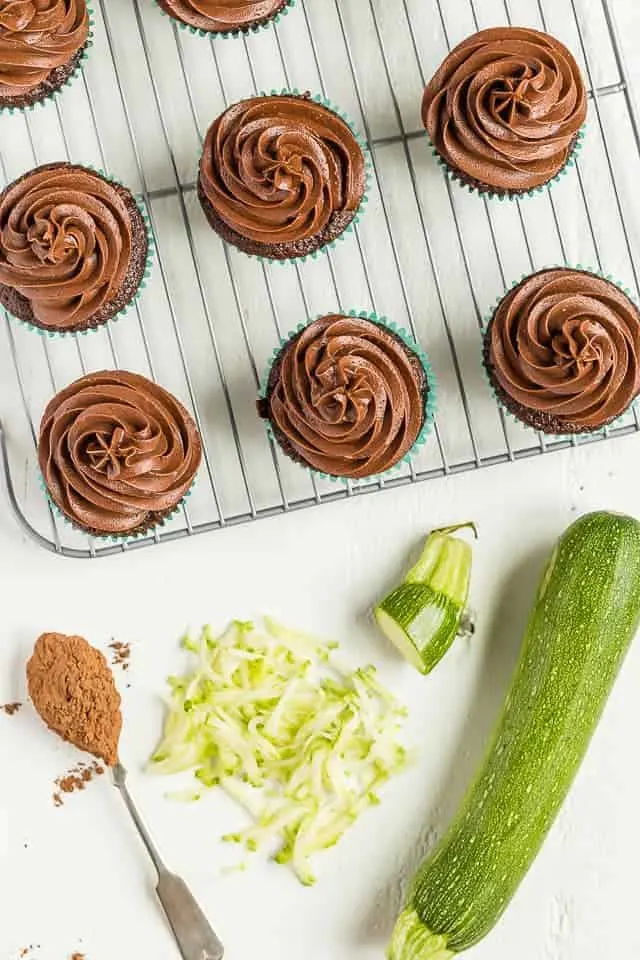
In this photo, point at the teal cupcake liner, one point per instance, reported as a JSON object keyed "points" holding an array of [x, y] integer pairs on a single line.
{"points": [[67, 83], [362, 143], [151, 247], [113, 537], [430, 402], [571, 437], [227, 34], [489, 194]]}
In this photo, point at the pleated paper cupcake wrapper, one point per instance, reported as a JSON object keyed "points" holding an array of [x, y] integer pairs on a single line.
{"points": [[67, 83], [227, 34], [114, 537], [151, 246], [430, 402], [601, 431], [490, 194], [324, 102]]}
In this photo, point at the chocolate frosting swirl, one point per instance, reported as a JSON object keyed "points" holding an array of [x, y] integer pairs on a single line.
{"points": [[117, 452], [220, 16], [505, 108], [282, 169], [565, 345], [65, 243], [347, 397], [36, 37]]}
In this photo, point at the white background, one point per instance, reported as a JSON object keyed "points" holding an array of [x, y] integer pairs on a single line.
{"points": [[76, 878]]}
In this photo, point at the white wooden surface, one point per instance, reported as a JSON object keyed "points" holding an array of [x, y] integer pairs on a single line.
{"points": [[76, 878]]}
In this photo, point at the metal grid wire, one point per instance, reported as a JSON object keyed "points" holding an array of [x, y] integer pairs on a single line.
{"points": [[426, 253]]}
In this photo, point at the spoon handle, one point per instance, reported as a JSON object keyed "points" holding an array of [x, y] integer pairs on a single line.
{"points": [[192, 931], [120, 780], [190, 927]]}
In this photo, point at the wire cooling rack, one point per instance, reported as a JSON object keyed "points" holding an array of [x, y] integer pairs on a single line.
{"points": [[426, 254]]}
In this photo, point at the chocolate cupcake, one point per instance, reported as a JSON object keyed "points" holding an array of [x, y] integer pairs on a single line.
{"points": [[348, 396], [41, 46], [505, 110], [281, 176], [117, 453], [74, 248], [224, 16], [562, 351]]}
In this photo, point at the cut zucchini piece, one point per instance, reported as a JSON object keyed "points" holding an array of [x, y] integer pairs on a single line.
{"points": [[423, 616]]}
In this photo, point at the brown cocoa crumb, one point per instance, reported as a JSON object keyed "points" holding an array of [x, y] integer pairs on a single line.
{"points": [[11, 708], [72, 688], [120, 654], [76, 779], [77, 956]]}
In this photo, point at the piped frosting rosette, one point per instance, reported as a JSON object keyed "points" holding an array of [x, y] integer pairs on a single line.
{"points": [[562, 351], [282, 175], [505, 110], [117, 453], [75, 248], [42, 43], [349, 396]]}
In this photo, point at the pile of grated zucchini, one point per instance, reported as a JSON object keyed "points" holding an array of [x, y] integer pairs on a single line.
{"points": [[271, 716]]}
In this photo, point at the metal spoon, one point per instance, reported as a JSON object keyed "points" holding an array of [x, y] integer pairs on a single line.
{"points": [[190, 927]]}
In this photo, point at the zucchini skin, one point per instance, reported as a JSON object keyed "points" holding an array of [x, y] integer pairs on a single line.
{"points": [[584, 619]]}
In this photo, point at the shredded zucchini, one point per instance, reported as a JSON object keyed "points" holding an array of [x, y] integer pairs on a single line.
{"points": [[303, 743]]}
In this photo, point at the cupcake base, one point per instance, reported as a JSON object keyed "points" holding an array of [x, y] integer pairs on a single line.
{"points": [[502, 193], [199, 23], [20, 307], [297, 249], [154, 519], [54, 82]]}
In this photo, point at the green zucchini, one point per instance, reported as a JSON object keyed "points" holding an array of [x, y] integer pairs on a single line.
{"points": [[423, 616], [585, 616]]}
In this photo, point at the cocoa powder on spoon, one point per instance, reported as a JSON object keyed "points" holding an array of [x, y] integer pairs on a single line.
{"points": [[73, 690]]}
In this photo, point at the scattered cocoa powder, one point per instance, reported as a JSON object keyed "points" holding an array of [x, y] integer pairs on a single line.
{"points": [[76, 779], [26, 951], [10, 708], [72, 688], [121, 654]]}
